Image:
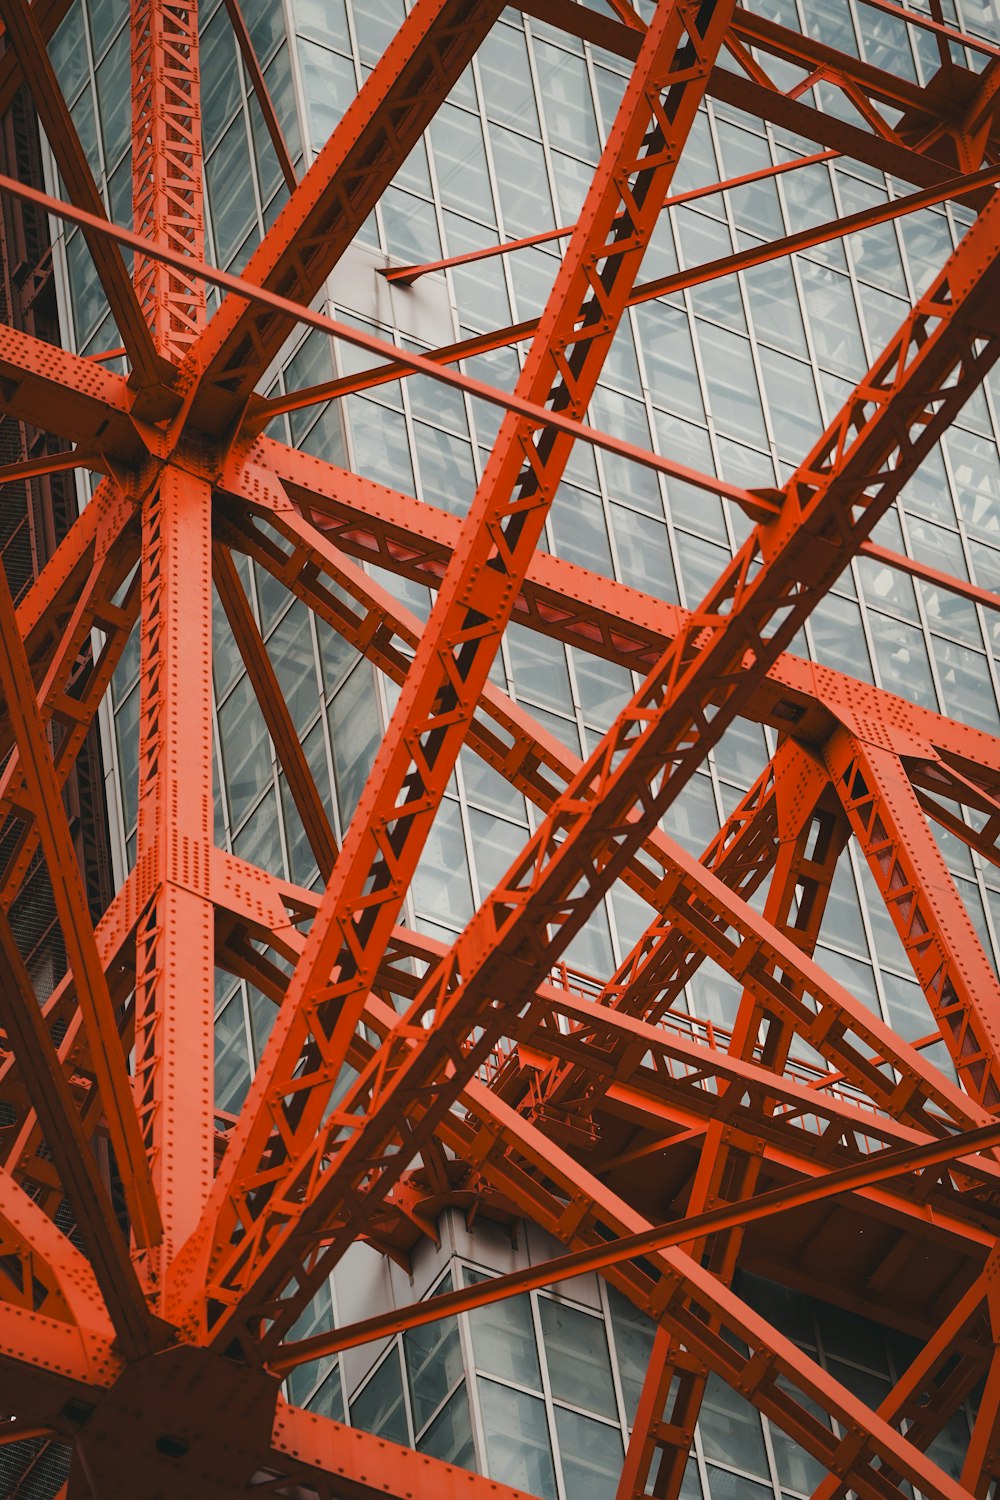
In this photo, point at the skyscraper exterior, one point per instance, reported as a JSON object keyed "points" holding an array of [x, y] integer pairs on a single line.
{"points": [[720, 374]]}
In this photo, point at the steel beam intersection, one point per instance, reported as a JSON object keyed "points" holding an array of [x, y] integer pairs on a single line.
{"points": [[713, 669], [400, 534], [669, 1076], [832, 501], [865, 90], [718, 1331], [651, 979], [457, 647]]}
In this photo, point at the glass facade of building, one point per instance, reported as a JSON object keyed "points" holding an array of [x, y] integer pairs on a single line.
{"points": [[735, 376]]}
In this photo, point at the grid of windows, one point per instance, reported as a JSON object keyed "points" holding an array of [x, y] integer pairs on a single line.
{"points": [[540, 1390], [733, 377]]}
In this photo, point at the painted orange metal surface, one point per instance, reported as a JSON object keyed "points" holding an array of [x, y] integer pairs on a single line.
{"points": [[488, 1073]]}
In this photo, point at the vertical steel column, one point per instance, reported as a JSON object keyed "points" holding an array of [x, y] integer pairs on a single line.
{"points": [[958, 980], [810, 844], [167, 188], [174, 938]]}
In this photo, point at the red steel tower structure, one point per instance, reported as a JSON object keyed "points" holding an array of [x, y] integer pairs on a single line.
{"points": [[400, 1072]]}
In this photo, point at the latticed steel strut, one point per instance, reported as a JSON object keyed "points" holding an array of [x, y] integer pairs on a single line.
{"points": [[401, 1074]]}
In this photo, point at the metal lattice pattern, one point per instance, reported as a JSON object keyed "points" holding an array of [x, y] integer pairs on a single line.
{"points": [[159, 1253]]}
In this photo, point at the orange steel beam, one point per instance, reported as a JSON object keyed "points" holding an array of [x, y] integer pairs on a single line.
{"points": [[172, 1073], [564, 777], [85, 604], [754, 503], [72, 705], [48, 604], [811, 842], [958, 980], [839, 492], [24, 35], [386, 1018], [921, 1394], [649, 978], [58, 392], [571, 605], [407, 275], [312, 1455], [923, 571], [663, 286], [42, 790], [597, 614], [432, 47], [47, 1363], [167, 177], [50, 463], [798, 1117], [753, 92], [456, 650], [168, 440], [713, 919], [87, 1194], [985, 838], [25, 1152], [746, 1352], [982, 1462], [664, 959], [538, 766], [39, 1270], [879, 1168], [815, 1120], [47, 15], [22, 359], [927, 23]]}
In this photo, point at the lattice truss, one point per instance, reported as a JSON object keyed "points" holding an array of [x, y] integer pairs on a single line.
{"points": [[400, 1074]]}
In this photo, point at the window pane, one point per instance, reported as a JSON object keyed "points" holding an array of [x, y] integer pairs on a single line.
{"points": [[354, 733], [518, 1451], [569, 110], [441, 888], [730, 1428], [644, 553], [732, 383], [591, 1456], [433, 1364], [460, 159], [379, 1406], [774, 306], [246, 754], [290, 648], [232, 1061], [576, 1350], [634, 1344], [833, 319], [503, 1339], [449, 1436], [792, 403]]}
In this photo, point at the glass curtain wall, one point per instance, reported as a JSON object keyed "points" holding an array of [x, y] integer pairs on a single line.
{"points": [[734, 377]]}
